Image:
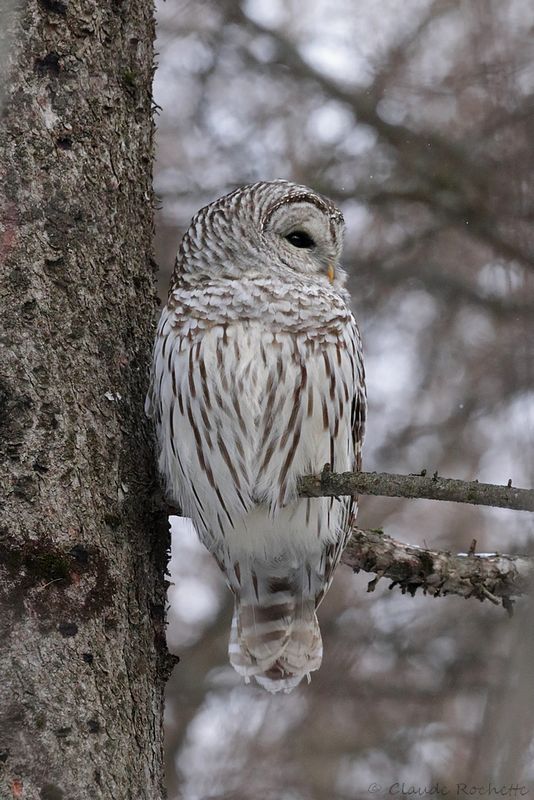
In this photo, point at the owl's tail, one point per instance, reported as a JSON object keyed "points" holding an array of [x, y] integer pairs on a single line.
{"points": [[275, 635]]}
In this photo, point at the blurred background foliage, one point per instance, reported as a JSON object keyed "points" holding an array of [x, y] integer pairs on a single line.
{"points": [[417, 118]]}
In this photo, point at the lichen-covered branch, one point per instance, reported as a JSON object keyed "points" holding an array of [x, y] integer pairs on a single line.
{"points": [[494, 577], [330, 484]]}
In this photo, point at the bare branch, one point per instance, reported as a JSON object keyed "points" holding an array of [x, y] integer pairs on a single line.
{"points": [[494, 577], [451, 183], [331, 484], [363, 101]]}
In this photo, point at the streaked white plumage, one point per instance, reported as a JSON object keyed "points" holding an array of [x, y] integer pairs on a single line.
{"points": [[258, 379]]}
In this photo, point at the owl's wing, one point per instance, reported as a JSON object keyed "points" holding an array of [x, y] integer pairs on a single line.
{"points": [[200, 397], [358, 414], [347, 371], [171, 401]]}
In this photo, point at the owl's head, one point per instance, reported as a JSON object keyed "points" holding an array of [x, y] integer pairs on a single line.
{"points": [[274, 228]]}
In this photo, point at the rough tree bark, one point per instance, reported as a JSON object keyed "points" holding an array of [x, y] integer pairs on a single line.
{"points": [[82, 552]]}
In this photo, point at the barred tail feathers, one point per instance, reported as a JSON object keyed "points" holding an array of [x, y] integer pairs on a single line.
{"points": [[275, 635]]}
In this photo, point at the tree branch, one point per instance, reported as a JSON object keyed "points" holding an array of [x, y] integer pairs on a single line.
{"points": [[494, 577], [451, 182], [330, 484]]}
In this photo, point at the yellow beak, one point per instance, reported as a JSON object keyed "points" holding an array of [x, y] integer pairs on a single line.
{"points": [[331, 272]]}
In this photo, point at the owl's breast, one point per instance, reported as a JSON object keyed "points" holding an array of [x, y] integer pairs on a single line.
{"points": [[237, 366], [245, 407]]}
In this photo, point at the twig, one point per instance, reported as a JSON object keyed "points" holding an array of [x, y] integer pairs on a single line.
{"points": [[433, 165], [494, 577], [331, 484]]}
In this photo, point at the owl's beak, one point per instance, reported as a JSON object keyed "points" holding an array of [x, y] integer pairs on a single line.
{"points": [[331, 272]]}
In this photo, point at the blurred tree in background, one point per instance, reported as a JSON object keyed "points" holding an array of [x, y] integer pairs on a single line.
{"points": [[417, 117]]}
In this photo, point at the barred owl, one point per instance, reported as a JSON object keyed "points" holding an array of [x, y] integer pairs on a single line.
{"points": [[257, 379]]}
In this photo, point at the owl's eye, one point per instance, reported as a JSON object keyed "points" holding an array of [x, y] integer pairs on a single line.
{"points": [[300, 239]]}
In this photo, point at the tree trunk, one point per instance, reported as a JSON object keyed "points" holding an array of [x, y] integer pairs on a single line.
{"points": [[82, 548]]}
